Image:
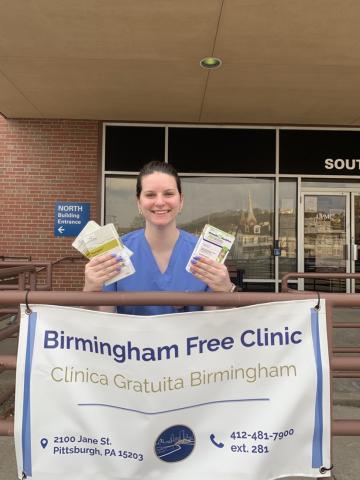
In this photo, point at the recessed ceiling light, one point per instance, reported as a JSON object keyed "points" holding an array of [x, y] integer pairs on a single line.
{"points": [[210, 62]]}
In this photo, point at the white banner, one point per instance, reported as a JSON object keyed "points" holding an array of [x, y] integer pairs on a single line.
{"points": [[237, 393]]}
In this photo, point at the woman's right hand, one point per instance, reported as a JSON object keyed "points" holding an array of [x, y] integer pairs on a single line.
{"points": [[100, 269]]}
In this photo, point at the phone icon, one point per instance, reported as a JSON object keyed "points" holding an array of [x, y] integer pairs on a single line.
{"points": [[214, 442]]}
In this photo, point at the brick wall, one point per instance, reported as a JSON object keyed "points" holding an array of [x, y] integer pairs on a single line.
{"points": [[41, 162]]}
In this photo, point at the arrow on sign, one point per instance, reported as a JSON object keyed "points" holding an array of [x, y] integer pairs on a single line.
{"points": [[61, 230]]}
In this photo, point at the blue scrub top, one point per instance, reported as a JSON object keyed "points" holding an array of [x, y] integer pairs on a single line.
{"points": [[148, 277]]}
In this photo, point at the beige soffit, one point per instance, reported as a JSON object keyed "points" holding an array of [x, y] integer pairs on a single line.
{"points": [[284, 61]]}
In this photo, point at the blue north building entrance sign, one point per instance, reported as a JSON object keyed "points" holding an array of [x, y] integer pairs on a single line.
{"points": [[70, 218]]}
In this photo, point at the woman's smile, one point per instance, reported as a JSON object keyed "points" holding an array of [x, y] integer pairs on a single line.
{"points": [[160, 212]]}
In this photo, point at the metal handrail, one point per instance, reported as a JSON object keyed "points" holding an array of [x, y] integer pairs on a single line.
{"points": [[325, 275], [35, 268], [344, 364], [7, 394], [71, 258], [177, 298], [13, 271], [8, 331], [18, 273]]}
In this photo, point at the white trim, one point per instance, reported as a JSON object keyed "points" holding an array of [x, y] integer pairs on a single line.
{"points": [[353, 194], [259, 280], [244, 127], [331, 190], [267, 175], [292, 127], [192, 125], [166, 154], [348, 240], [102, 187], [300, 234], [121, 172], [276, 208], [322, 177]]}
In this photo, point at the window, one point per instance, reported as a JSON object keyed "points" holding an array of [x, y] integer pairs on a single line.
{"points": [[287, 226], [222, 150], [127, 149], [243, 206], [120, 204]]}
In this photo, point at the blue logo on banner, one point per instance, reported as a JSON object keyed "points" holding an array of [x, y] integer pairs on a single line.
{"points": [[175, 443], [70, 218]]}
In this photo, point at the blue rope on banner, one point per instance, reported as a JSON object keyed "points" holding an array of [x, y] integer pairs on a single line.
{"points": [[317, 453], [26, 423]]}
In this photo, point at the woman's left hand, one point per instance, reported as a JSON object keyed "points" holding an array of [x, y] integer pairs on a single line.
{"points": [[214, 274]]}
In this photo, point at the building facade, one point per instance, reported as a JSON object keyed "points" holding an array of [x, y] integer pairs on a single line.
{"points": [[291, 196]]}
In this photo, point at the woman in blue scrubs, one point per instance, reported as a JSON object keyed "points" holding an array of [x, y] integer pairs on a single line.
{"points": [[160, 251]]}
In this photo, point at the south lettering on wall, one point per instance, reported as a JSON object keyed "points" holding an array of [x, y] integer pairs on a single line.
{"points": [[342, 164]]}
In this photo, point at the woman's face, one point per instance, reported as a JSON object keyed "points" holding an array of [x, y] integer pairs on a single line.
{"points": [[160, 200]]}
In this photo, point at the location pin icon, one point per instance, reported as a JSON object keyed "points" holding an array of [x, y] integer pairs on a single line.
{"points": [[44, 442]]}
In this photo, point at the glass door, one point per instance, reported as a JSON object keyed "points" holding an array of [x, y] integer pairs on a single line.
{"points": [[326, 239], [355, 241]]}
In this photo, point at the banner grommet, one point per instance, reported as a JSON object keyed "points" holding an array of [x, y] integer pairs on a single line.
{"points": [[323, 470]]}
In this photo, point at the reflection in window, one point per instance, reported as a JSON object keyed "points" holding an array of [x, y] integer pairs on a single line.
{"points": [[120, 204], [287, 226], [325, 239], [357, 238], [241, 206]]}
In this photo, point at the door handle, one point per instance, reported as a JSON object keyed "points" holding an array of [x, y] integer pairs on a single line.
{"points": [[355, 252]]}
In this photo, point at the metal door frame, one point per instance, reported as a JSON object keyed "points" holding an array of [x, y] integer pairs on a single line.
{"points": [[353, 247]]}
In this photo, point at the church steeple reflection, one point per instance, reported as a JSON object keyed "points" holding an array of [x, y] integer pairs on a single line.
{"points": [[250, 218]]}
